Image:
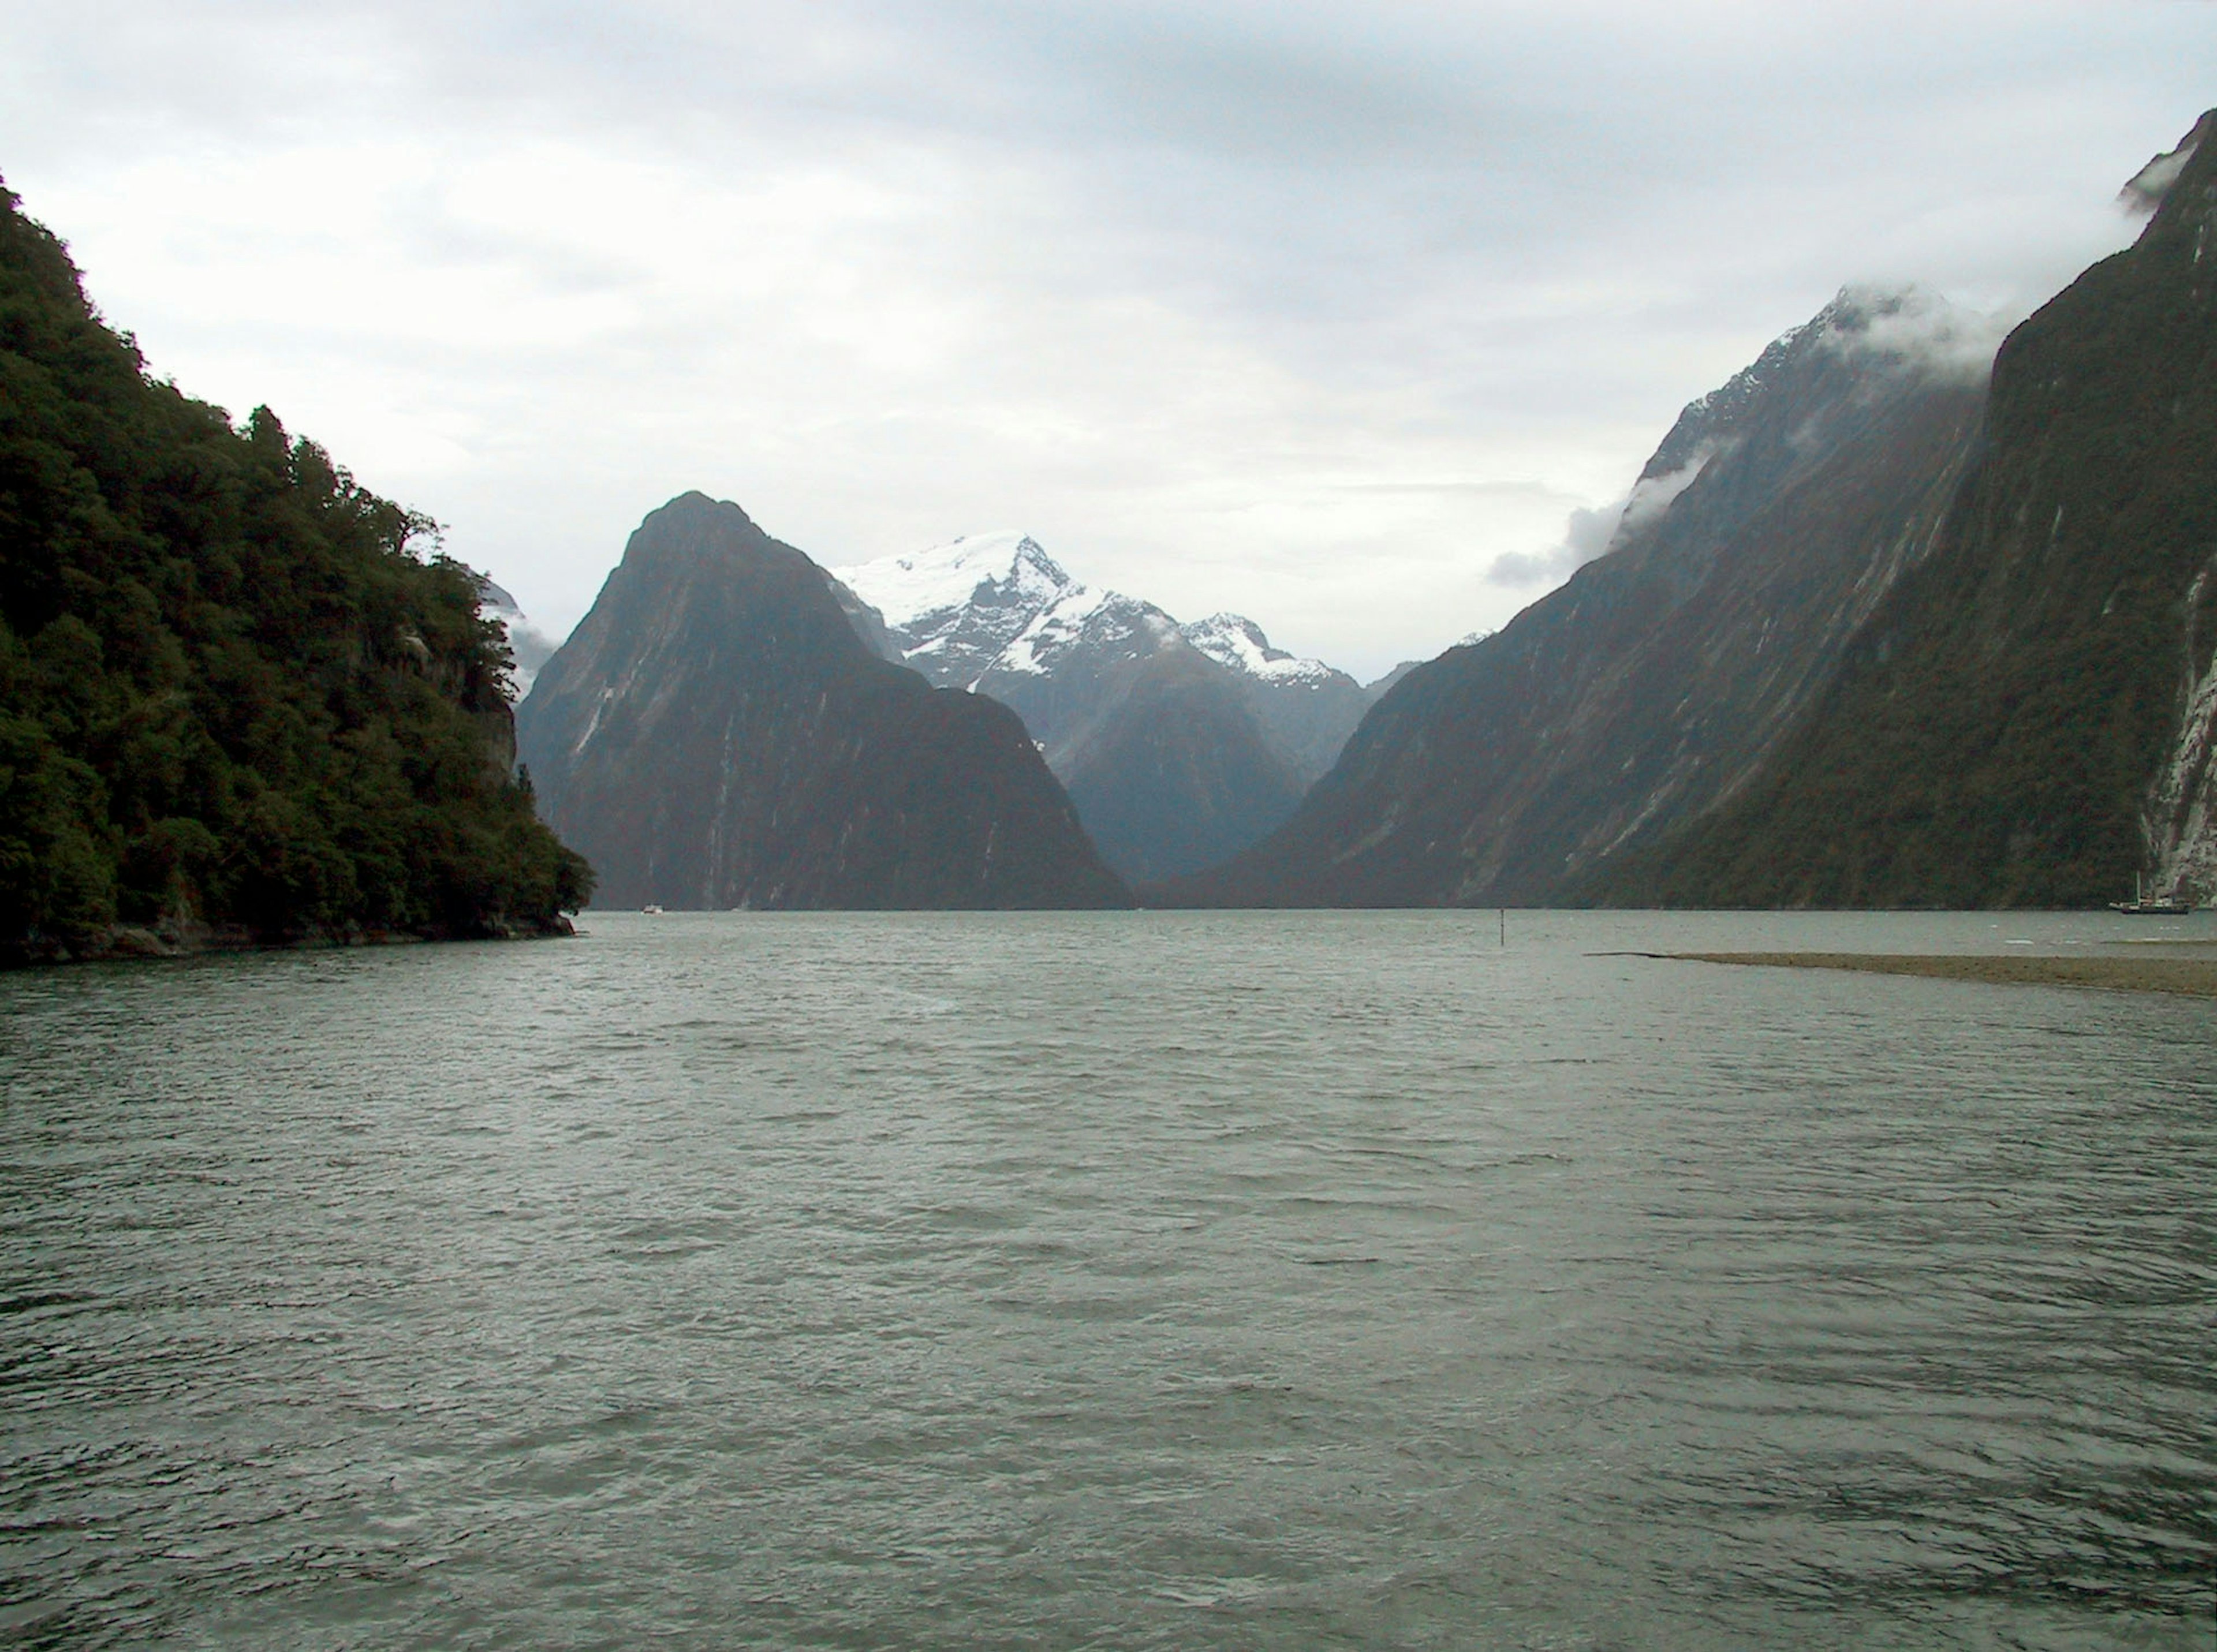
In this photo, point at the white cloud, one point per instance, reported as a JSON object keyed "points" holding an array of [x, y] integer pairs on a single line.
{"points": [[1312, 311], [1915, 327], [1590, 534], [2145, 190]]}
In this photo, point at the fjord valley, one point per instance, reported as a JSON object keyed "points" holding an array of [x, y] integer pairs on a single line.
{"points": [[1868, 634], [236, 700], [1040, 1137]]}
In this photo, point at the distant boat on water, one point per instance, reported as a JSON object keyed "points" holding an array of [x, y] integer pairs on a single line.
{"points": [[652, 910], [2144, 905]]}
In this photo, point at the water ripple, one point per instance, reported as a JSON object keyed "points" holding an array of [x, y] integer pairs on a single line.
{"points": [[1122, 1280]]}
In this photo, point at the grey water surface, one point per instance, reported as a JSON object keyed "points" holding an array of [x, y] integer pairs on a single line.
{"points": [[1123, 1280]]}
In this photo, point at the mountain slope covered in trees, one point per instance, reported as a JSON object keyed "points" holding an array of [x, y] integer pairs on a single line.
{"points": [[232, 698]]}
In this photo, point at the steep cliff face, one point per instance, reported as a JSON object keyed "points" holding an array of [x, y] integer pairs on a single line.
{"points": [[2027, 720], [1772, 518], [718, 734]]}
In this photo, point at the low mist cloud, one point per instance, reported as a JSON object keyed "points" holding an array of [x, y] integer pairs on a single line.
{"points": [[2145, 190], [1916, 327], [1592, 533]]}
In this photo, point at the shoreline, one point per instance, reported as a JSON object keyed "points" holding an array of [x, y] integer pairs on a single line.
{"points": [[2191, 977], [124, 942]]}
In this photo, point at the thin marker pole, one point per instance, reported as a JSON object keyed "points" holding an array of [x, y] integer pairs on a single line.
{"points": [[1504, 929]]}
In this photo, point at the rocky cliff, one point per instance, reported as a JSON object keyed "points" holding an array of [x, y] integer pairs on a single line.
{"points": [[718, 736]]}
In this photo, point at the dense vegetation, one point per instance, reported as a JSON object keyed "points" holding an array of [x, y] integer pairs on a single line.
{"points": [[232, 695], [1996, 732]]}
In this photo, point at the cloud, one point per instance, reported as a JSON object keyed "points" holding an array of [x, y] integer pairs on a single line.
{"points": [[1209, 296], [1592, 534], [1585, 536], [1915, 327], [2145, 190]]}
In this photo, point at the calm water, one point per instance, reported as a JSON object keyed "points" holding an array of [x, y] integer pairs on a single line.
{"points": [[1118, 1281]]}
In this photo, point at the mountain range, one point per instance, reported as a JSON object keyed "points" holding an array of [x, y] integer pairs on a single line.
{"points": [[716, 733], [1180, 745], [1887, 619], [2026, 719], [1880, 626]]}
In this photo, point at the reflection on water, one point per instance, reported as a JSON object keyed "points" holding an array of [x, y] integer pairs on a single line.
{"points": [[1130, 1280]]}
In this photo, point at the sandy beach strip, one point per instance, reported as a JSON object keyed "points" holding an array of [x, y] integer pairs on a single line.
{"points": [[2193, 977]]}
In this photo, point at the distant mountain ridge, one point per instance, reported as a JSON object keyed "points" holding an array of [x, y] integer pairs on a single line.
{"points": [[1769, 521], [1180, 745], [719, 733]]}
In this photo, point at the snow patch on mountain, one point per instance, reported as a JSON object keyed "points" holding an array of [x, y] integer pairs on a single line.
{"points": [[951, 611], [1234, 640], [994, 613], [1003, 571]]}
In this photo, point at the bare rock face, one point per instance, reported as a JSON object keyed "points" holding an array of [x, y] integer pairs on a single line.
{"points": [[718, 734], [1772, 520]]}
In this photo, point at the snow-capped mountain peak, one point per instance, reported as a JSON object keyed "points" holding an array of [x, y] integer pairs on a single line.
{"points": [[952, 609], [1237, 642], [994, 614], [1003, 571]]}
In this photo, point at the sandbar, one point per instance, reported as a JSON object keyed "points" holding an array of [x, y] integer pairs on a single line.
{"points": [[2195, 978]]}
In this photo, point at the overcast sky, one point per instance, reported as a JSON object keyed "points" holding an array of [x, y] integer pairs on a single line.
{"points": [[1312, 310]]}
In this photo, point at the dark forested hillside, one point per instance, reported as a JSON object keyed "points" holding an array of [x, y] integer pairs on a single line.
{"points": [[1177, 774], [232, 696], [2027, 720]]}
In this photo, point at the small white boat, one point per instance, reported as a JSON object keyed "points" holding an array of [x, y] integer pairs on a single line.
{"points": [[2143, 905], [652, 910]]}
